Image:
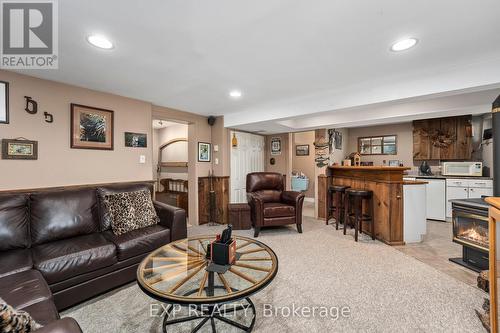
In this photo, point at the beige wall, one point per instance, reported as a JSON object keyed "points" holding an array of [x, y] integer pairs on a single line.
{"points": [[404, 134], [221, 137], [304, 164], [57, 163], [283, 161]]}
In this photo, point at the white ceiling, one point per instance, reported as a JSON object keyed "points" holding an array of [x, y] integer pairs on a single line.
{"points": [[290, 58]]}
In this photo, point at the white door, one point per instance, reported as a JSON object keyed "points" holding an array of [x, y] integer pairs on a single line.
{"points": [[247, 157], [455, 193]]}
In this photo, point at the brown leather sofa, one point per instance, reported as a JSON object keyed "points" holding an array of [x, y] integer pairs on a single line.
{"points": [[270, 204], [57, 248]]}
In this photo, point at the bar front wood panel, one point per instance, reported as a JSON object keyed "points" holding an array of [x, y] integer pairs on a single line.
{"points": [[494, 213], [221, 188], [386, 183], [322, 193]]}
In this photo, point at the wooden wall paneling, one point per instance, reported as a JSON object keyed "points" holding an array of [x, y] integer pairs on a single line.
{"points": [[221, 188], [421, 142], [322, 192], [448, 128], [464, 139]]}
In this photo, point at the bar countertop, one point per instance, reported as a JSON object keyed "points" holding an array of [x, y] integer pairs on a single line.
{"points": [[369, 168]]}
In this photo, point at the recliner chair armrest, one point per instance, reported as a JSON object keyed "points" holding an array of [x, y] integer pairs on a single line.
{"points": [[292, 197], [173, 218], [65, 325]]}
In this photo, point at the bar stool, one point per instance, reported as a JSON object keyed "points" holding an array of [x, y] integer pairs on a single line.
{"points": [[336, 194], [354, 210]]}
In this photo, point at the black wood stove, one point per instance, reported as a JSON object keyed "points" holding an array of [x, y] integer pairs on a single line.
{"points": [[470, 229]]}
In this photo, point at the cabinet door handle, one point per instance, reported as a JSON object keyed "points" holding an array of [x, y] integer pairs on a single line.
{"points": [[472, 190], [465, 189], [398, 197]]}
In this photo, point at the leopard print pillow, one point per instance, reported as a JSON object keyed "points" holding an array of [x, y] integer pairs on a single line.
{"points": [[130, 211], [15, 321]]}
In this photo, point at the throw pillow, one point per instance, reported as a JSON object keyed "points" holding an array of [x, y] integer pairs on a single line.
{"points": [[15, 321], [130, 211]]}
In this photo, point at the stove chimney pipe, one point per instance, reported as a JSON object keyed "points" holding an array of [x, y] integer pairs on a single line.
{"points": [[495, 110]]}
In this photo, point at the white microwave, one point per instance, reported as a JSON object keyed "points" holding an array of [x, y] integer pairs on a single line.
{"points": [[472, 169]]}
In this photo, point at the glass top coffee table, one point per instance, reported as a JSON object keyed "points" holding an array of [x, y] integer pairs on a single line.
{"points": [[202, 295]]}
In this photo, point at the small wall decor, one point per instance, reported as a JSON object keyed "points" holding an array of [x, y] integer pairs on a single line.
{"points": [[331, 134], [272, 161], [19, 149], [136, 140], [31, 105], [49, 118], [4, 102], [91, 128], [321, 156], [276, 146], [302, 150], [338, 140], [234, 141], [204, 151]]}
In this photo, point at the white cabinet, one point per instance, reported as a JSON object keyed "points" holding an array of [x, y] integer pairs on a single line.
{"points": [[455, 193], [435, 199], [466, 189]]}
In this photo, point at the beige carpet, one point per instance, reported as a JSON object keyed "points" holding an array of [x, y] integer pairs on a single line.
{"points": [[385, 290]]}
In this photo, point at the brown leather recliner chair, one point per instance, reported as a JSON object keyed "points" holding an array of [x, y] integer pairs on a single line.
{"points": [[270, 204]]}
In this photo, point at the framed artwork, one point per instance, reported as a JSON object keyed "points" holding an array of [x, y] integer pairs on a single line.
{"points": [[338, 140], [204, 152], [136, 140], [4, 102], [275, 146], [302, 150], [91, 128], [16, 149]]}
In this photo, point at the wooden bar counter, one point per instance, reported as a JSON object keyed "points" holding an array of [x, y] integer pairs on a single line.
{"points": [[387, 186]]}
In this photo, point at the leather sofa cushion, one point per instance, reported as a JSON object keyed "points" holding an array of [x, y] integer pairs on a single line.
{"points": [[139, 241], [15, 261], [269, 195], [57, 215], [67, 258], [278, 210], [104, 215], [43, 312], [278, 221], [24, 289], [14, 222]]}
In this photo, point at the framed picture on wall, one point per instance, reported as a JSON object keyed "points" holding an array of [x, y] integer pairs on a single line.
{"points": [[4, 102], [91, 128], [136, 140], [16, 149], [204, 151], [302, 150], [276, 146]]}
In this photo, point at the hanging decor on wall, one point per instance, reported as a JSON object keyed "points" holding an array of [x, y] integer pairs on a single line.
{"points": [[302, 150], [204, 152], [136, 140], [4, 102], [331, 133], [234, 141], [31, 105], [91, 128], [19, 149], [275, 146], [321, 155], [338, 140], [49, 118]]}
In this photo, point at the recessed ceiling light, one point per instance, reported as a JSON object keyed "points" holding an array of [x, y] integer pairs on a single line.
{"points": [[235, 93], [100, 42], [404, 44]]}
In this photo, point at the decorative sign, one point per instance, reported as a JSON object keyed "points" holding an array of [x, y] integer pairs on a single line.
{"points": [[276, 146], [17, 149]]}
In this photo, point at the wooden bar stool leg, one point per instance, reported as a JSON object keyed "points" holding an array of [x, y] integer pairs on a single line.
{"points": [[328, 205], [346, 212], [361, 215], [358, 206], [338, 209], [372, 217]]}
